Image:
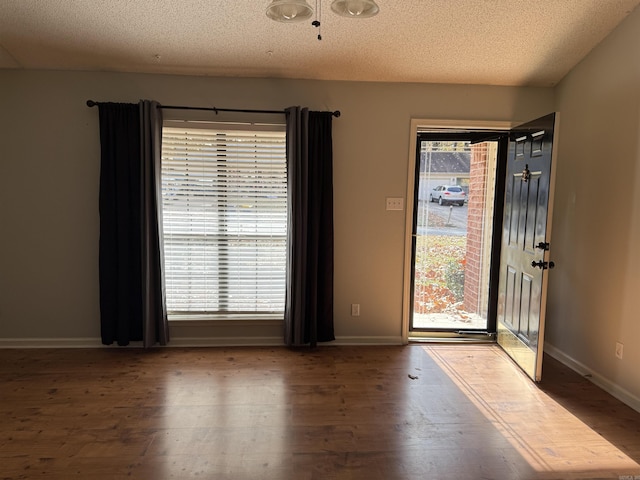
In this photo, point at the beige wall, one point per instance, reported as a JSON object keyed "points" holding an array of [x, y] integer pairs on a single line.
{"points": [[594, 292], [49, 187]]}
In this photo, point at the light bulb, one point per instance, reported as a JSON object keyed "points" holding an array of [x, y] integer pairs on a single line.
{"points": [[289, 11], [355, 7]]}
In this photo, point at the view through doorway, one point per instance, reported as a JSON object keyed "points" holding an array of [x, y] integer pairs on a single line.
{"points": [[452, 234]]}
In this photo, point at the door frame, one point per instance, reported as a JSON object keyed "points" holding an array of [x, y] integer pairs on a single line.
{"points": [[419, 125]]}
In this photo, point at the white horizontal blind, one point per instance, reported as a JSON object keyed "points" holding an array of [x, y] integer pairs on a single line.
{"points": [[224, 218]]}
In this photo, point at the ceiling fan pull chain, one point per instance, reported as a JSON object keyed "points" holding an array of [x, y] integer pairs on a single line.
{"points": [[316, 22]]}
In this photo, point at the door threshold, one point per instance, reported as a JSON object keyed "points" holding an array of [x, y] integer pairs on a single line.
{"points": [[452, 337]]}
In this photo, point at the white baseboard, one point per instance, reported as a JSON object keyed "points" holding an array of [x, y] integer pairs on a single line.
{"points": [[275, 341], [604, 383], [189, 342], [89, 342], [175, 342]]}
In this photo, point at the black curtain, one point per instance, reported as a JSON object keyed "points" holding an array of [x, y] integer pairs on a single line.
{"points": [[131, 288], [309, 290]]}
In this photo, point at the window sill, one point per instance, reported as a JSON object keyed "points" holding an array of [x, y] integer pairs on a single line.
{"points": [[225, 319]]}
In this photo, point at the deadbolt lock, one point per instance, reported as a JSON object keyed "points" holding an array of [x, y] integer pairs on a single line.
{"points": [[542, 265]]}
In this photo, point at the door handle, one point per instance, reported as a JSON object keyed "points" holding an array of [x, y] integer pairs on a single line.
{"points": [[542, 265], [543, 246]]}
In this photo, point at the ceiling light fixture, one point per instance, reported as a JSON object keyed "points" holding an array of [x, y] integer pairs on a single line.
{"points": [[290, 11], [355, 8]]}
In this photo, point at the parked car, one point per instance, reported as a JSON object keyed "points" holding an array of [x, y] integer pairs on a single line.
{"points": [[446, 194]]}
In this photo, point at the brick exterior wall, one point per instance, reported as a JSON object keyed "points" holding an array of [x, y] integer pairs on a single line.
{"points": [[475, 218]]}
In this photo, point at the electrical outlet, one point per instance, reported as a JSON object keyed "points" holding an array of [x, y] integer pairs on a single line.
{"points": [[395, 203], [355, 309], [619, 348]]}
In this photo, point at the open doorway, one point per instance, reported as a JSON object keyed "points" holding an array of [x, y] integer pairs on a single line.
{"points": [[452, 234], [507, 238]]}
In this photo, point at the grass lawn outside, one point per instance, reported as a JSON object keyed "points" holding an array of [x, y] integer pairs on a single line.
{"points": [[439, 273]]}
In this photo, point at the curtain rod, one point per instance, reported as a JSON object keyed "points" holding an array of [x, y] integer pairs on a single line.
{"points": [[91, 103]]}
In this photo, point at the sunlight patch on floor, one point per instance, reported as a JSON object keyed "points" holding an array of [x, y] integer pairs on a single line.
{"points": [[549, 437]]}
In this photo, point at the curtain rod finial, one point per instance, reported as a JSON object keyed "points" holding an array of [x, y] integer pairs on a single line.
{"points": [[337, 114], [91, 103]]}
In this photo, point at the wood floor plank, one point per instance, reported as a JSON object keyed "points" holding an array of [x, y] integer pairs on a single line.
{"points": [[437, 411]]}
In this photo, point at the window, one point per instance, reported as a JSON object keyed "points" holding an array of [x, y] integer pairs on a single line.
{"points": [[224, 200]]}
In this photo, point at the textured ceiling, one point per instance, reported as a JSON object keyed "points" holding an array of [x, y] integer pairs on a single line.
{"points": [[488, 42]]}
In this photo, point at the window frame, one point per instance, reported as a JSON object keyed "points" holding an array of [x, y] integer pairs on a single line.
{"points": [[229, 317]]}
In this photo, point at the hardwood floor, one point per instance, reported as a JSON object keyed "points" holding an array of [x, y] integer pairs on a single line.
{"points": [[427, 412]]}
